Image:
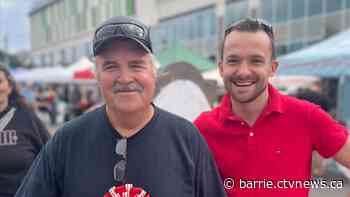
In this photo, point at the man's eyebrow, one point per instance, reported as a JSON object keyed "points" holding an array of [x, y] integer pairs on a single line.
{"points": [[136, 62], [258, 56], [232, 56], [107, 62]]}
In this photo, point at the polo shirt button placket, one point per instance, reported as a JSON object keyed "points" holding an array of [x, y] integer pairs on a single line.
{"points": [[251, 141]]}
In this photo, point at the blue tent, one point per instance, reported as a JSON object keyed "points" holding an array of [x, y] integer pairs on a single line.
{"points": [[329, 58]]}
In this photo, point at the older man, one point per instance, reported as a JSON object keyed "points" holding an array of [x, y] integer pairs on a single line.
{"points": [[129, 140]]}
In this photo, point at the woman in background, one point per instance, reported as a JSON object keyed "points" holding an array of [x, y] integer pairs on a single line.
{"points": [[22, 135]]}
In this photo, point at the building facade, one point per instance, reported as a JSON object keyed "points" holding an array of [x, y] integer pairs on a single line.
{"points": [[297, 23], [61, 30]]}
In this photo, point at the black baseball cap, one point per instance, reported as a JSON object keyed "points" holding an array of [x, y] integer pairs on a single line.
{"points": [[121, 27]]}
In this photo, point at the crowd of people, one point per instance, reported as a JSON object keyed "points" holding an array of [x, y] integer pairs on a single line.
{"points": [[128, 143], [59, 102]]}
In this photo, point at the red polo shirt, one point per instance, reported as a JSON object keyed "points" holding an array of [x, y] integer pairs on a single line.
{"points": [[272, 158]]}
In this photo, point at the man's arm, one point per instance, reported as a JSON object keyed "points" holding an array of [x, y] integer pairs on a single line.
{"points": [[343, 155]]}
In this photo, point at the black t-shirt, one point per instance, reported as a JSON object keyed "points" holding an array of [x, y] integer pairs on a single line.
{"points": [[20, 141], [167, 158]]}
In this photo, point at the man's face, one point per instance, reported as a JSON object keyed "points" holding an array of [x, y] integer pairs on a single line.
{"points": [[126, 76], [246, 65]]}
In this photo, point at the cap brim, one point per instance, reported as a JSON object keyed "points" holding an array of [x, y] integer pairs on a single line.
{"points": [[100, 45]]}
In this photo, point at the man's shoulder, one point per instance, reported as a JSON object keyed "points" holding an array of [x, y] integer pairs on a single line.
{"points": [[207, 118], [172, 120]]}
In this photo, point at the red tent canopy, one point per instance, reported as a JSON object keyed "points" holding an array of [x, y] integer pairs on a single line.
{"points": [[84, 74]]}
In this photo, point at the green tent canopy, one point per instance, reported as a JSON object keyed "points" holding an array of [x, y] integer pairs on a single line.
{"points": [[179, 53]]}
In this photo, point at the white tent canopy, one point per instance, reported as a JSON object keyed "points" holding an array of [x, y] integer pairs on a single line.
{"points": [[56, 74]]}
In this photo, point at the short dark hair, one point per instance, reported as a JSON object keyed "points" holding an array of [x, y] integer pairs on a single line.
{"points": [[250, 25]]}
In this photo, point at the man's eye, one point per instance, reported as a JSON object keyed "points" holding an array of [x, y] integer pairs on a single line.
{"points": [[110, 67], [232, 61], [257, 61], [137, 66]]}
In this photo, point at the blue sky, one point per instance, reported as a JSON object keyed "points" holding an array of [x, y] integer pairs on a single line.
{"points": [[14, 22]]}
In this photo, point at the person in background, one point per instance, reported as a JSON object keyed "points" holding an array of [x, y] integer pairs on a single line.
{"points": [[259, 134], [315, 96], [27, 90], [22, 135]]}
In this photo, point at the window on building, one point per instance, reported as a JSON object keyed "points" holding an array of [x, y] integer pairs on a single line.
{"points": [[73, 7], [186, 29], [88, 49], [57, 58], [314, 28], [52, 58], [212, 22], [179, 29], [267, 10], [199, 25], [281, 10], [62, 57], [207, 24], [130, 7], [42, 60], [333, 5], [94, 17], [36, 61], [73, 54], [347, 4], [192, 28], [236, 11], [315, 7], [298, 8], [297, 31]]}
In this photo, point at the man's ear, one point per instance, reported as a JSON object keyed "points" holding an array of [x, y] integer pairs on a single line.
{"points": [[274, 66]]}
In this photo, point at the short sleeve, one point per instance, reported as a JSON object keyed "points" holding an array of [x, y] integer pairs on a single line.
{"points": [[328, 136]]}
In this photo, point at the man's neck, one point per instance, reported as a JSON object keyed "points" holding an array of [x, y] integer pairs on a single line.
{"points": [[251, 111], [129, 124]]}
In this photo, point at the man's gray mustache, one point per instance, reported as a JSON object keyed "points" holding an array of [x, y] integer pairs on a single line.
{"points": [[127, 87]]}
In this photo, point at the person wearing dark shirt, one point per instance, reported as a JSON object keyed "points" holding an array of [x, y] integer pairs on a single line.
{"points": [[22, 135], [128, 141]]}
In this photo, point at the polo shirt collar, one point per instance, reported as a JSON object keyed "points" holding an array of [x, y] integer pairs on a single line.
{"points": [[275, 104]]}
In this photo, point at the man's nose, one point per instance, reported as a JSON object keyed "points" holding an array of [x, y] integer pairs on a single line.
{"points": [[243, 69], [124, 76]]}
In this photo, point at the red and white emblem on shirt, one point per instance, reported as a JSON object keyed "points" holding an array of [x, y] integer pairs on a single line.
{"points": [[127, 190]]}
